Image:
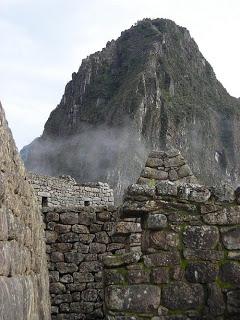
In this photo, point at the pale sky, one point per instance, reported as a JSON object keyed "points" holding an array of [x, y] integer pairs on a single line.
{"points": [[44, 41]]}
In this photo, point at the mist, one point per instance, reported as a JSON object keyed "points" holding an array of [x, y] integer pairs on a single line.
{"points": [[91, 156]]}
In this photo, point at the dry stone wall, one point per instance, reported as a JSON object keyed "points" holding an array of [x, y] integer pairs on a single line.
{"points": [[166, 166], [189, 263], [77, 240], [24, 290], [65, 191]]}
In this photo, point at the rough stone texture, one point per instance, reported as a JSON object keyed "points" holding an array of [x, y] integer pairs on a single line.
{"points": [[65, 191], [134, 298], [189, 251], [233, 302], [156, 221], [231, 238], [173, 168], [24, 286], [77, 239], [201, 237], [183, 296], [216, 303], [201, 272], [117, 261]]}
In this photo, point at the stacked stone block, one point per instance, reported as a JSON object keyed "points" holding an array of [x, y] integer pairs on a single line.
{"points": [[166, 165], [24, 290], [77, 240], [189, 264], [65, 191]]}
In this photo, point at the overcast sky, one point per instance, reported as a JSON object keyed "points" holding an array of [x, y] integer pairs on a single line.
{"points": [[44, 41]]}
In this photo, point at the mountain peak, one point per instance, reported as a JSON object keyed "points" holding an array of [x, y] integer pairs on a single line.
{"points": [[149, 89]]}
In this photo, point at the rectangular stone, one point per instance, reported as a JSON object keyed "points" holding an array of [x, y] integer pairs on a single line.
{"points": [[69, 218], [205, 255], [135, 298], [163, 258], [226, 216]]}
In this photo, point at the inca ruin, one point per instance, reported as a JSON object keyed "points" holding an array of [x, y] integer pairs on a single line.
{"points": [[127, 206]]}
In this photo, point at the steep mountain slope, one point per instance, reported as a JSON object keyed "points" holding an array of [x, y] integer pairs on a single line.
{"points": [[149, 89]]}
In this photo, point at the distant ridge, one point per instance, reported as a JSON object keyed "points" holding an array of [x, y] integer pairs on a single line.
{"points": [[150, 89]]}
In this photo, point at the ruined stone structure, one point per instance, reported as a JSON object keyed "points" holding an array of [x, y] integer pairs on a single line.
{"points": [[170, 252], [64, 191], [77, 240], [24, 292], [189, 263]]}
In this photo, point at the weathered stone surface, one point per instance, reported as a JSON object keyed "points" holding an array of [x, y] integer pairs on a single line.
{"points": [[61, 298], [231, 238], [83, 277], [73, 256], [89, 295], [184, 171], [201, 237], [198, 254], [125, 227], [66, 278], [57, 288], [69, 237], [199, 194], [141, 190], [84, 238], [151, 173], [163, 239], [61, 228], [201, 272], [113, 276], [91, 266], [102, 237], [154, 162], [69, 218], [160, 275], [182, 296], [138, 276], [166, 188], [193, 192], [234, 255], [135, 298], [215, 300], [155, 221], [183, 217], [230, 273], [224, 216], [24, 288], [223, 193], [56, 256], [121, 260], [172, 175], [174, 161], [64, 267], [97, 247], [233, 302], [79, 228], [163, 258], [64, 191]]}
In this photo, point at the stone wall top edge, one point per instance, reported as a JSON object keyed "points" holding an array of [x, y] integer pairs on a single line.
{"points": [[68, 180], [60, 209], [224, 193]]}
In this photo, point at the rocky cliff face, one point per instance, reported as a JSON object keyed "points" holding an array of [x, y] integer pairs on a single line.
{"points": [[24, 291], [149, 89]]}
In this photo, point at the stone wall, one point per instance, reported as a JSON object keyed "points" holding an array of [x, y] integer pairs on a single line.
{"points": [[77, 240], [24, 290], [189, 263], [65, 191]]}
